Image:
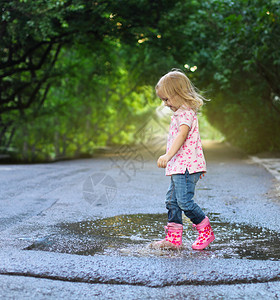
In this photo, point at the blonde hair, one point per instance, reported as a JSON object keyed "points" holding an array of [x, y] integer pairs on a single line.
{"points": [[176, 85]]}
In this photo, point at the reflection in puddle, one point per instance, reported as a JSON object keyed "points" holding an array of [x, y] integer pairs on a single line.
{"points": [[132, 234]]}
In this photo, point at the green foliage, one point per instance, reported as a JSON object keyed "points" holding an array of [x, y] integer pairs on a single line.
{"points": [[102, 83], [238, 65], [88, 108], [77, 75], [207, 131]]}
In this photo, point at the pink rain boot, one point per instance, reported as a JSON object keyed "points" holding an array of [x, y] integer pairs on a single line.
{"points": [[206, 235], [173, 239]]}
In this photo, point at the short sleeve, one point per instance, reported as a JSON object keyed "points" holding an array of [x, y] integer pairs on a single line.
{"points": [[186, 117]]}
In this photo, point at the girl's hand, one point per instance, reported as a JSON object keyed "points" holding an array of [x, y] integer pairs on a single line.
{"points": [[163, 160]]}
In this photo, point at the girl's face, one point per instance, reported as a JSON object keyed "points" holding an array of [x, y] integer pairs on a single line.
{"points": [[168, 102]]}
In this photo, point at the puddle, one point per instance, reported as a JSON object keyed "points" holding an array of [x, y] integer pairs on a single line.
{"points": [[132, 234]]}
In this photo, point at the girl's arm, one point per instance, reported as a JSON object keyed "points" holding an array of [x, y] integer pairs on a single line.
{"points": [[176, 145]]}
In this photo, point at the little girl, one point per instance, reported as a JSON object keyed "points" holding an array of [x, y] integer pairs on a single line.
{"points": [[184, 160]]}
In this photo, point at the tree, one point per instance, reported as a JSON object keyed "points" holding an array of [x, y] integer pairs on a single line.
{"points": [[33, 36], [231, 48], [239, 64]]}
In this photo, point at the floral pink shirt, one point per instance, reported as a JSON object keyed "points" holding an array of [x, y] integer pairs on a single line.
{"points": [[190, 155]]}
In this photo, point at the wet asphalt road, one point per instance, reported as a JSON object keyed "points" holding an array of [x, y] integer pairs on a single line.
{"points": [[36, 200]]}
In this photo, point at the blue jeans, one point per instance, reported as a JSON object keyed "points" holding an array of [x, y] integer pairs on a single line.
{"points": [[179, 198]]}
